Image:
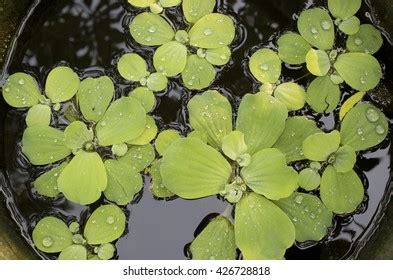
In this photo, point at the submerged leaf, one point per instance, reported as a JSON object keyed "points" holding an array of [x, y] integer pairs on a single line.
{"points": [[219, 57], [344, 9], [145, 97], [171, 58], [265, 66], [61, 84], [198, 74], [292, 95], [350, 103], [21, 90], [73, 252], [157, 82], [46, 183], [39, 115], [132, 67], [148, 134], [195, 9], [323, 95], [319, 146], [156, 187], [318, 62], [292, 48], [309, 179], [367, 40], [350, 26], [139, 157], [76, 135], [165, 139]]}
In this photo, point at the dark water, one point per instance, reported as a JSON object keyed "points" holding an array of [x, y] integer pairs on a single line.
{"points": [[89, 35]]}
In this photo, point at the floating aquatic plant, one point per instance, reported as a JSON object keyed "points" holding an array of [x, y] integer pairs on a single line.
{"points": [[156, 6]]}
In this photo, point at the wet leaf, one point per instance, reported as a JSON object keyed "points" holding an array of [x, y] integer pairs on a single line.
{"points": [[292, 95], [156, 187], [39, 115], [345, 159], [61, 84], [198, 74], [21, 90], [142, 3], [323, 95], [51, 235], [262, 230], [341, 192], [76, 181], [171, 58], [132, 67], [151, 30], [364, 127], [44, 145], [344, 9], [309, 216], [148, 134], [215, 242], [234, 147], [76, 135], [359, 70], [139, 157], [145, 97], [199, 135], [350, 26], [269, 175], [318, 62], [211, 113], [192, 169], [165, 139], [350, 103], [367, 40], [106, 224], [219, 57], [120, 149], [195, 9], [319, 146], [265, 66], [46, 183], [292, 48], [309, 179], [157, 82], [73, 253], [106, 251], [261, 118]]}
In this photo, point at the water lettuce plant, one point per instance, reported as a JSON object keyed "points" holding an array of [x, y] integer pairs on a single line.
{"points": [[155, 6]]}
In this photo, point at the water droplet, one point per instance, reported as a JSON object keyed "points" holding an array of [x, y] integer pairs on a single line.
{"points": [[223, 57], [264, 67], [358, 41], [295, 219], [103, 123], [372, 115], [326, 25], [110, 220], [47, 241], [314, 30], [312, 216], [360, 131], [152, 29], [7, 89], [148, 39], [208, 32], [21, 82], [212, 258], [299, 199], [379, 129]]}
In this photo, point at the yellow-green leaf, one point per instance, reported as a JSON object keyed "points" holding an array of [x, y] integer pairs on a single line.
{"points": [[61, 84], [195, 9], [265, 66], [21, 90]]}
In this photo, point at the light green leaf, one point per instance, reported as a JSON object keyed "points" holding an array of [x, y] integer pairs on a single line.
{"points": [[215, 242], [142, 3], [51, 235], [359, 70], [192, 169], [310, 217], [151, 30], [292, 48], [165, 139], [316, 27], [46, 183], [132, 67], [73, 253], [148, 134], [94, 96], [344, 9], [77, 182], [156, 187], [297, 129], [61, 84], [39, 115], [367, 40], [157, 82], [350, 103], [319, 146], [211, 113], [171, 58], [139, 157], [265, 66], [199, 135], [120, 149], [124, 120], [123, 182], [21, 90], [106, 224], [364, 127], [219, 57], [212, 31], [292, 95], [345, 159], [309, 179], [350, 26], [145, 97], [198, 74], [234, 147], [262, 230], [269, 175], [341, 192], [318, 62], [44, 145], [195, 9], [106, 251], [261, 118], [323, 95], [76, 135]]}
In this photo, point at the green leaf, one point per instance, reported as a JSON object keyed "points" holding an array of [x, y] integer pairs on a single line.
{"points": [[319, 146], [171, 58], [76, 181], [234, 147], [345, 159], [292, 48], [145, 97], [292, 95], [148, 134], [350, 26], [364, 127], [195, 9], [77, 134], [73, 252], [316, 27], [120, 149], [51, 235], [323, 95], [309, 179], [341, 192], [156, 187], [219, 57], [199, 135], [211, 113], [94, 96], [165, 139], [124, 120], [106, 251], [198, 74], [151, 30], [318, 62], [265, 66], [192, 169], [46, 183], [269, 175], [123, 182], [132, 67], [39, 115], [359, 70], [350, 103], [21, 90], [61, 84], [44, 145], [309, 216], [261, 118], [106, 224], [139, 157], [262, 230], [212, 31], [367, 40], [297, 129], [344, 9], [215, 242], [157, 82], [142, 3]]}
